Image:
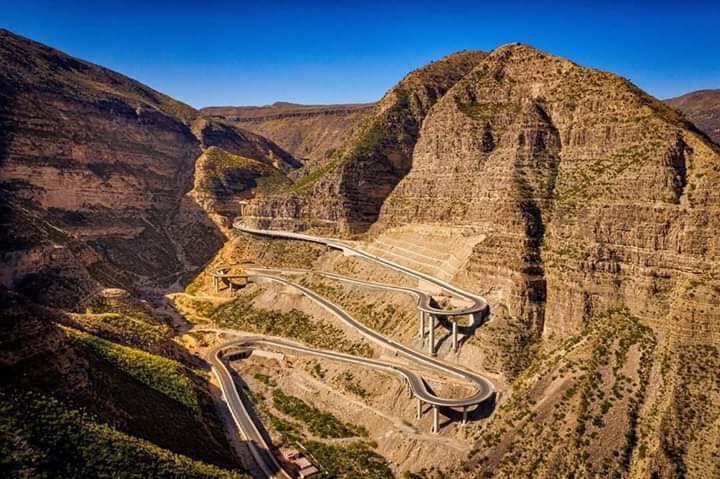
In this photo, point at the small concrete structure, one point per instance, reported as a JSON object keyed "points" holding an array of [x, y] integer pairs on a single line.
{"points": [[304, 467], [242, 204], [234, 277], [431, 331], [454, 336], [114, 293]]}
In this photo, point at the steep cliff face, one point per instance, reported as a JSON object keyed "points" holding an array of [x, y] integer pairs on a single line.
{"points": [[309, 132], [94, 174], [345, 195], [234, 166], [702, 107], [224, 181], [583, 209], [243, 143]]}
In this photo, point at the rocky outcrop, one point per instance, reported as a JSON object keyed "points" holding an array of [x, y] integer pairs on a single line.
{"points": [[702, 107], [345, 195], [92, 156], [586, 212], [94, 172], [592, 194], [309, 132], [225, 181]]}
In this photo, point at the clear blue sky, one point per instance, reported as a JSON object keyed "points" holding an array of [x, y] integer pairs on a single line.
{"points": [[250, 53]]}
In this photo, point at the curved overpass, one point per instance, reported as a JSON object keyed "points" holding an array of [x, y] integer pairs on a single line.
{"points": [[417, 385], [424, 300]]}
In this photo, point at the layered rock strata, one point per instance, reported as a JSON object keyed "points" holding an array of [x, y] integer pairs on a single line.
{"points": [[89, 155], [592, 195]]}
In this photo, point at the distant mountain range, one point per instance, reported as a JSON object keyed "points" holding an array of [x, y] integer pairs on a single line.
{"points": [[702, 108]]}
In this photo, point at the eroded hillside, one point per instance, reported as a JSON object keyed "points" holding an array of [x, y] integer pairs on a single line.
{"points": [[94, 171], [95, 175], [594, 198], [594, 201]]}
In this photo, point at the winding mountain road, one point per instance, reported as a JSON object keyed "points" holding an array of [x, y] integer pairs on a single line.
{"points": [[257, 443], [485, 388], [259, 446]]}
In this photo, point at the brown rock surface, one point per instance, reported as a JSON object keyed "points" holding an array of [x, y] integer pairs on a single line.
{"points": [[94, 156], [237, 141], [584, 210], [596, 201], [590, 191]]}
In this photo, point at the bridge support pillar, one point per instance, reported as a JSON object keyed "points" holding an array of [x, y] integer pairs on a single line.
{"points": [[435, 427], [419, 408], [454, 336], [464, 421], [431, 327], [422, 324]]}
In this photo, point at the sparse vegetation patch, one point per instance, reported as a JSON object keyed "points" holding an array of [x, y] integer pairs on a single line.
{"points": [[163, 374], [241, 314]]}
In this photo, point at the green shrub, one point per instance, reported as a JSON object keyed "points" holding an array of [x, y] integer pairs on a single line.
{"points": [[319, 423], [134, 331], [265, 379], [356, 460]]}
